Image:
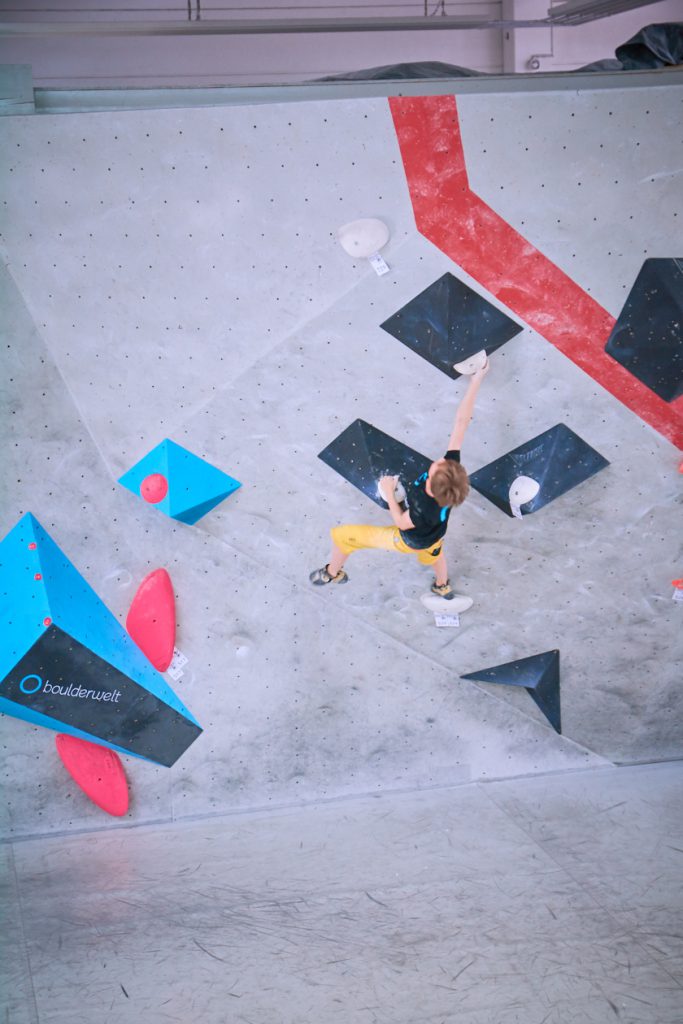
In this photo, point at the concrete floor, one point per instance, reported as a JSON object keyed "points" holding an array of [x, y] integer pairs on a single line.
{"points": [[552, 900]]}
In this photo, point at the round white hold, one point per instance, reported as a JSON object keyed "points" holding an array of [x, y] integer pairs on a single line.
{"points": [[399, 492], [472, 363], [522, 490], [363, 238], [441, 606]]}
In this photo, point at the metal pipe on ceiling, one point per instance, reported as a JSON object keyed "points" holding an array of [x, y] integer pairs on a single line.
{"points": [[261, 27], [574, 12]]}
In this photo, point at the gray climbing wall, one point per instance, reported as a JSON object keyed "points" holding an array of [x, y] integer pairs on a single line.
{"points": [[176, 274]]}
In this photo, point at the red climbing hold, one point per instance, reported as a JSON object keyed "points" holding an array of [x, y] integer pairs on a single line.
{"points": [[151, 619], [154, 488], [97, 770]]}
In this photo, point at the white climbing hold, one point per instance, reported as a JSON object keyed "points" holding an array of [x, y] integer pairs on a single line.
{"points": [[522, 490], [399, 491], [472, 363], [363, 238]]}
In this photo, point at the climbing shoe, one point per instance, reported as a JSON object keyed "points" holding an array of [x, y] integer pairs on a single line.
{"points": [[321, 576]]}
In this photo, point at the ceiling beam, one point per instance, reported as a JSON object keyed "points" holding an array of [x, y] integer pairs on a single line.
{"points": [[574, 12], [263, 26]]}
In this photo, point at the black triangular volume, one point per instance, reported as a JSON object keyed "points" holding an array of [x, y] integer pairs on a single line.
{"points": [[646, 338], [448, 322], [363, 453], [557, 459], [80, 690], [546, 693], [526, 672], [538, 674]]}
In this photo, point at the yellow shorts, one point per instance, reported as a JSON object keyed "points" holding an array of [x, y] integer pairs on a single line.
{"points": [[355, 536]]}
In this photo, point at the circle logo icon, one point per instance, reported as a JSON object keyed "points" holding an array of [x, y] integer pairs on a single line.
{"points": [[25, 689]]}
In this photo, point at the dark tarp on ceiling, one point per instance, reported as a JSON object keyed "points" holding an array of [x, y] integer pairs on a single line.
{"points": [[655, 46], [412, 69]]}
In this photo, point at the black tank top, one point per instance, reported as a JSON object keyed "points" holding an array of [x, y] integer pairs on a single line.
{"points": [[430, 520]]}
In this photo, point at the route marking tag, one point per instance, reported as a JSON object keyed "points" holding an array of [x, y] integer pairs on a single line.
{"points": [[175, 669], [447, 621]]}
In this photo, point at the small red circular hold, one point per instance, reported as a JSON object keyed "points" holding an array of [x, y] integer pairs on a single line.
{"points": [[47, 621], [32, 546], [678, 584], [38, 576], [154, 488]]}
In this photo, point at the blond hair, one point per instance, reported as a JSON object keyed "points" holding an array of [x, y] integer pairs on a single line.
{"points": [[449, 484]]}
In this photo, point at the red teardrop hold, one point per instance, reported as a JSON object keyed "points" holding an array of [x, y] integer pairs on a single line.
{"points": [[97, 770], [151, 619]]}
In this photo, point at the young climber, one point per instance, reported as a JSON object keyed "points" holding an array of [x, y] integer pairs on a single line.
{"points": [[421, 527]]}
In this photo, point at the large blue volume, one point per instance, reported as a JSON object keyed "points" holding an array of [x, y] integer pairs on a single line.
{"points": [[67, 663], [194, 485]]}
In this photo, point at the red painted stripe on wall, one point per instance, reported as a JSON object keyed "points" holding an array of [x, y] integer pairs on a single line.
{"points": [[491, 251]]}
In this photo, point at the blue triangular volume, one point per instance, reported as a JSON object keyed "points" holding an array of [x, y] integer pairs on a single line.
{"points": [[363, 453], [24, 605], [448, 322], [194, 485], [557, 460], [538, 674], [66, 642], [155, 461]]}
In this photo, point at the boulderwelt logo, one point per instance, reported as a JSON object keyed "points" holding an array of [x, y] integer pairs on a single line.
{"points": [[33, 684]]}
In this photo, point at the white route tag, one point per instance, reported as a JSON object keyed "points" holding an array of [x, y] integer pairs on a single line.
{"points": [[447, 621], [378, 264], [175, 669], [677, 594]]}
